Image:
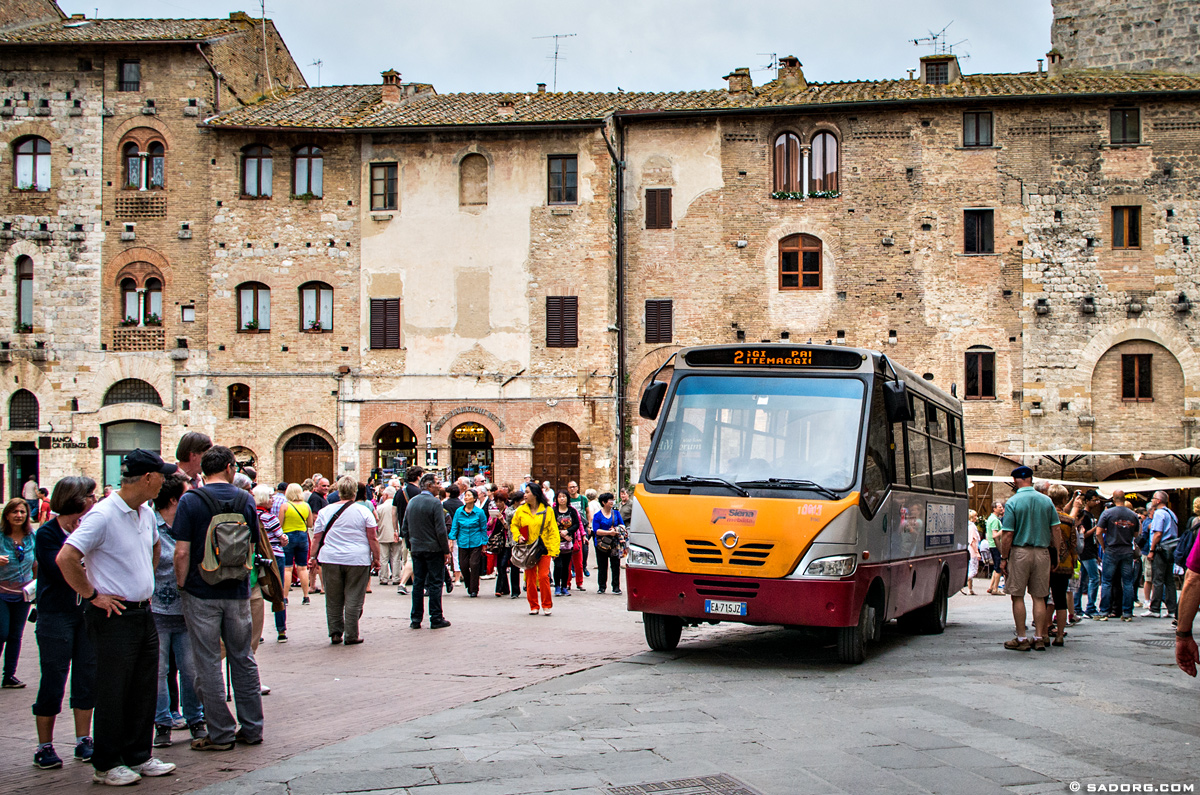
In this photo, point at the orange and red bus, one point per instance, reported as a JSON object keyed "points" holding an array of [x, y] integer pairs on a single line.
{"points": [[806, 486]]}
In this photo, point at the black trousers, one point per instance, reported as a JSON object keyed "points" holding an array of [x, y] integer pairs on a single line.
{"points": [[126, 649], [562, 570], [470, 562], [508, 576], [603, 563], [64, 650], [428, 570]]}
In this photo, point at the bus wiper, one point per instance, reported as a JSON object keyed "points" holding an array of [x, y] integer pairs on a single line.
{"points": [[788, 483], [705, 481]]}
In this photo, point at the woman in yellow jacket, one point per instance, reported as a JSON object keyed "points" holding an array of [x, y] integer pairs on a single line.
{"points": [[536, 518]]}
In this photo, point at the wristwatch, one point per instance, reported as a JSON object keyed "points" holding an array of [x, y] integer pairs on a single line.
{"points": [[95, 593]]}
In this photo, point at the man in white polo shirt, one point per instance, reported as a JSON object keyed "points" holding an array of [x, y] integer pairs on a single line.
{"points": [[119, 538]]}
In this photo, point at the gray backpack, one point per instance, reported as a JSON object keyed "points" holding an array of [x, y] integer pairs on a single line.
{"points": [[228, 543]]}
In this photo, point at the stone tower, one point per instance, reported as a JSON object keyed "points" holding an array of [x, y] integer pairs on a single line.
{"points": [[1132, 35]]}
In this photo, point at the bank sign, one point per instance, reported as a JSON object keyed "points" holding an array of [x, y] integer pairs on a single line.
{"points": [[67, 443]]}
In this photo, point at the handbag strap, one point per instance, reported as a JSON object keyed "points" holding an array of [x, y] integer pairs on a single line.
{"points": [[337, 515]]}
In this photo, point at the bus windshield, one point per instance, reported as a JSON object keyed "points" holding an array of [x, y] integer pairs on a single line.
{"points": [[749, 428]]}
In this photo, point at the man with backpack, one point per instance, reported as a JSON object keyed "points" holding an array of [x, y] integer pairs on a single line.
{"points": [[215, 531], [1164, 537]]}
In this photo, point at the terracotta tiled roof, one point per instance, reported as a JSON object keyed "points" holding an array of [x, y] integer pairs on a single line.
{"points": [[74, 31], [362, 107]]}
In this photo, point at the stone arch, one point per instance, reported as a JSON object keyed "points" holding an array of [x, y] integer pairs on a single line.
{"points": [[644, 368], [441, 436], [473, 149], [149, 122], [1150, 423], [1161, 468], [296, 430], [557, 414], [1138, 329], [39, 128], [119, 368]]}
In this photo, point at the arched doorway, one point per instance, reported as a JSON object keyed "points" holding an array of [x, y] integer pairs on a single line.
{"points": [[122, 438], [395, 448], [471, 451], [555, 455], [306, 454]]}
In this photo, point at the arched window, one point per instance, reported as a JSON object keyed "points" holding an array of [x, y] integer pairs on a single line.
{"points": [[153, 310], [130, 311], [132, 390], [158, 165], [980, 373], [23, 411], [800, 263], [239, 402], [473, 180], [787, 163], [254, 307], [316, 307], [24, 293], [132, 159], [308, 172], [31, 164], [824, 162], [256, 172]]}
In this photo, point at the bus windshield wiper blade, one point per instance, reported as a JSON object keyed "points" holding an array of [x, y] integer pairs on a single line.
{"points": [[705, 481], [789, 483]]}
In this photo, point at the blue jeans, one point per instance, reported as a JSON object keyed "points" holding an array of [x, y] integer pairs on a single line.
{"points": [[1114, 561], [281, 616], [1089, 579], [173, 636], [12, 628]]}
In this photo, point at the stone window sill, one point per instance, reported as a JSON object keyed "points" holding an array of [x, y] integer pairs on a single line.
{"points": [[247, 197], [989, 148], [973, 256]]}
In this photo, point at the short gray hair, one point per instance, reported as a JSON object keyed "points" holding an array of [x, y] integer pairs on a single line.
{"points": [[428, 479], [243, 481], [347, 487], [263, 494]]}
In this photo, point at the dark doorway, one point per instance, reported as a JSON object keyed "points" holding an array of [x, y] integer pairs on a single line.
{"points": [[304, 455], [22, 462], [471, 451], [555, 455]]}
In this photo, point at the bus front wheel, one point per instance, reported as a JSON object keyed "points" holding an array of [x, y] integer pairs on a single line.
{"points": [[852, 641], [662, 632]]}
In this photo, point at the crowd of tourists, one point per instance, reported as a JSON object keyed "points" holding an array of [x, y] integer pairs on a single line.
{"points": [[167, 578], [1080, 557]]}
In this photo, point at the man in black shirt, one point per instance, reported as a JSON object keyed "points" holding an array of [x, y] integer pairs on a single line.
{"points": [[1117, 527], [316, 500]]}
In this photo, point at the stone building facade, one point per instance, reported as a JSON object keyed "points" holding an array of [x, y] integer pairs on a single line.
{"points": [[1136, 35]]}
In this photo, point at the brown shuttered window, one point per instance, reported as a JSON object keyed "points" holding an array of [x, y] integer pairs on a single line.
{"points": [[658, 208], [385, 323], [658, 320], [562, 321], [1135, 377]]}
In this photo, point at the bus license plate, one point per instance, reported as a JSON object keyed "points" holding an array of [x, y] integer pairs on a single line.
{"points": [[720, 608]]}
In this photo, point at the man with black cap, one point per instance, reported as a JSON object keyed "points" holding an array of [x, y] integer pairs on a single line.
{"points": [[119, 537], [1026, 534], [279, 500]]}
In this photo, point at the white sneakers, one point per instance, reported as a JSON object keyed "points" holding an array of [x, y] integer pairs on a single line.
{"points": [[533, 612], [1149, 614], [153, 767], [546, 612], [122, 776]]}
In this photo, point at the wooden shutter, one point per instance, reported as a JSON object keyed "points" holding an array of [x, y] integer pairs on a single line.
{"points": [[562, 321], [385, 323], [658, 321], [553, 322], [658, 208]]}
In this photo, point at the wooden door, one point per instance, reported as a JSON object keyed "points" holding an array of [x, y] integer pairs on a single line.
{"points": [[306, 454], [555, 455]]}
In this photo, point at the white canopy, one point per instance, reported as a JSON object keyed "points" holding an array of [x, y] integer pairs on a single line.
{"points": [[1105, 488]]}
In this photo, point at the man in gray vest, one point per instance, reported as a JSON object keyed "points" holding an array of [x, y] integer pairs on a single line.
{"points": [[424, 530]]}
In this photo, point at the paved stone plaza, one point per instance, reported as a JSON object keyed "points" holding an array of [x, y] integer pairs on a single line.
{"points": [[505, 703]]}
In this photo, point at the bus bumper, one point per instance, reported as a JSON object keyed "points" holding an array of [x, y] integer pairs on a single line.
{"points": [[812, 603]]}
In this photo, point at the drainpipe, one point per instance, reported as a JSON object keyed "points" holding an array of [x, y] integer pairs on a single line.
{"points": [[217, 78], [619, 159]]}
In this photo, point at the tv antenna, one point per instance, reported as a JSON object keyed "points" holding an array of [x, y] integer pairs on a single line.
{"points": [[318, 63], [939, 44], [556, 56], [774, 63]]}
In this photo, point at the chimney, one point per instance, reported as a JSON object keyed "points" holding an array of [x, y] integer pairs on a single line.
{"points": [[507, 108], [541, 88], [790, 73], [740, 81], [391, 86], [1054, 61]]}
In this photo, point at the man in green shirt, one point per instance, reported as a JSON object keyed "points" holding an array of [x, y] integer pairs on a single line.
{"points": [[1025, 537], [992, 526]]}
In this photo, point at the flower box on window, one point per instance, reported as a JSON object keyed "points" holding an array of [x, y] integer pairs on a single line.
{"points": [[24, 328], [153, 320], [786, 195], [129, 321]]}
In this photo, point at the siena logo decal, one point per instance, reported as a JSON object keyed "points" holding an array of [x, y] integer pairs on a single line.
{"points": [[733, 516]]}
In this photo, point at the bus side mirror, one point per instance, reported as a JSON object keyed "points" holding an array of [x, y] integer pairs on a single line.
{"points": [[652, 400], [896, 402]]}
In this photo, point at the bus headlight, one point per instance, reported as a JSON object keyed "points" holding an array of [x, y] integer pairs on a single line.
{"points": [[640, 556], [835, 566]]}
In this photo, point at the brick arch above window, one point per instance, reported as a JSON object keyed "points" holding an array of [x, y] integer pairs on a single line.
{"points": [[140, 273], [141, 128], [39, 128], [143, 137], [140, 254]]}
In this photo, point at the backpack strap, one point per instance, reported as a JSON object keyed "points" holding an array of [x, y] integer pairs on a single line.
{"points": [[238, 503]]}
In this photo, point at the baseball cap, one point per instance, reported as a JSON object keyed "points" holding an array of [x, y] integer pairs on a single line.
{"points": [[281, 487], [143, 462], [1022, 472]]}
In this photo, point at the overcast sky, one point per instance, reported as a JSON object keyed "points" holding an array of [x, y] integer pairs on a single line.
{"points": [[637, 45]]}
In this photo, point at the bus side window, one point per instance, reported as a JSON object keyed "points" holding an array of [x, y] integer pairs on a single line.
{"points": [[918, 447], [900, 456], [958, 452], [876, 467], [939, 444]]}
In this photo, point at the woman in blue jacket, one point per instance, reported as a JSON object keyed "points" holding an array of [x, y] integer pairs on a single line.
{"points": [[469, 530]]}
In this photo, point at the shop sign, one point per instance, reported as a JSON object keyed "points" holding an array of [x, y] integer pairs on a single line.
{"points": [[67, 443]]}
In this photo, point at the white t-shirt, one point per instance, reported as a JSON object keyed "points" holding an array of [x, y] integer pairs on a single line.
{"points": [[346, 542], [117, 542]]}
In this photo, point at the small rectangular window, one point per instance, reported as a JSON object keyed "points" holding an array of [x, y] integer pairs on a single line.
{"points": [[383, 186], [1136, 383], [187, 314], [562, 321], [659, 321], [977, 232], [130, 76], [981, 375], [658, 208], [937, 74], [1125, 126], [385, 323], [1127, 227], [563, 179], [977, 128]]}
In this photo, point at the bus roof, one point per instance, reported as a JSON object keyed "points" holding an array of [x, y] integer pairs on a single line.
{"points": [[809, 356]]}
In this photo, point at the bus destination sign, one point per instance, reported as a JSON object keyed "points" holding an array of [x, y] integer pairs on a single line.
{"points": [[784, 356]]}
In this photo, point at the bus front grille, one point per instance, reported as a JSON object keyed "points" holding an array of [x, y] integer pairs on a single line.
{"points": [[703, 552], [751, 555], [725, 589]]}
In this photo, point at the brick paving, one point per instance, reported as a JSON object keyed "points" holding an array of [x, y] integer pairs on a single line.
{"points": [[323, 694]]}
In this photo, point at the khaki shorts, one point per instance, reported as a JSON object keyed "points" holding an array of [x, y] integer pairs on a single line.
{"points": [[1028, 568]]}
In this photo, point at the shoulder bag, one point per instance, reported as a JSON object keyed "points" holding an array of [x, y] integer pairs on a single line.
{"points": [[529, 554]]}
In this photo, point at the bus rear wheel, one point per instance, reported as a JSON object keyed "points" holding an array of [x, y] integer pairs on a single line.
{"points": [[852, 641], [662, 632]]}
